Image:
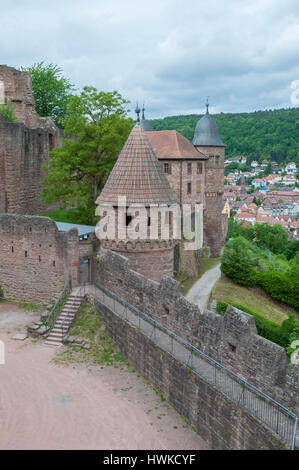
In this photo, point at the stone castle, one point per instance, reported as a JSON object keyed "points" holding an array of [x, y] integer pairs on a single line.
{"points": [[170, 169], [164, 168]]}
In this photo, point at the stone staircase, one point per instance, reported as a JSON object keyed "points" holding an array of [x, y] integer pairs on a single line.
{"points": [[64, 320]]}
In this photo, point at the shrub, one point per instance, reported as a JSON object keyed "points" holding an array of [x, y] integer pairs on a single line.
{"points": [[8, 111], [280, 287]]}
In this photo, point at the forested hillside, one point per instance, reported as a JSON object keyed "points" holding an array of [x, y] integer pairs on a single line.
{"points": [[262, 134]]}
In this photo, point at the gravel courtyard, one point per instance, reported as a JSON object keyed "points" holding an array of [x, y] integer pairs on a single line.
{"points": [[49, 406]]}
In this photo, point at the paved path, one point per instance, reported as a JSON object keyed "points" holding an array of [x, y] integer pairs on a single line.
{"points": [[46, 406], [199, 293]]}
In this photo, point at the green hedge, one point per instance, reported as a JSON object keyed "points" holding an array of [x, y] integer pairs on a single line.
{"points": [[279, 334], [280, 287], [277, 285]]}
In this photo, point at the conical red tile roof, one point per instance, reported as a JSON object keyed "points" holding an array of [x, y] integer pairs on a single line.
{"points": [[138, 175]]}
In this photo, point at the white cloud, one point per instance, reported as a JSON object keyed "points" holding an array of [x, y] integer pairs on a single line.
{"points": [[170, 53]]}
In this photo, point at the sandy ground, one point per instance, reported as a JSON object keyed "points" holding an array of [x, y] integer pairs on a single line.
{"points": [[46, 406], [200, 292]]}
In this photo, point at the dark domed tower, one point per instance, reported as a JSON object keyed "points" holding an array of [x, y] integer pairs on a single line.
{"points": [[207, 140], [138, 177]]}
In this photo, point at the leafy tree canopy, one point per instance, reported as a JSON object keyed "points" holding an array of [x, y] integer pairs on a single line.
{"points": [[97, 127], [51, 91]]}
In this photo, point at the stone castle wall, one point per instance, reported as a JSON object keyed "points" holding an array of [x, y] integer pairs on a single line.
{"points": [[24, 146], [232, 340], [35, 258], [217, 419]]}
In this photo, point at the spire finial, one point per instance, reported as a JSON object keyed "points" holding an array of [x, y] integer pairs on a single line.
{"points": [[207, 105], [143, 111], [137, 111]]}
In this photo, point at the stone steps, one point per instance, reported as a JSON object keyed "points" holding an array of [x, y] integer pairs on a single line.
{"points": [[65, 318]]}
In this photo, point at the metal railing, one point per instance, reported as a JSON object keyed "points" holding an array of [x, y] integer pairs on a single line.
{"points": [[80, 291], [58, 306], [275, 416]]}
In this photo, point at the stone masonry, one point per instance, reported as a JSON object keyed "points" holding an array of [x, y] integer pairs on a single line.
{"points": [[232, 340], [24, 146], [35, 258]]}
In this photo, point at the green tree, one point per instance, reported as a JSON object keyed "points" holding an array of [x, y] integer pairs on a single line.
{"points": [[78, 169], [8, 111], [51, 91]]}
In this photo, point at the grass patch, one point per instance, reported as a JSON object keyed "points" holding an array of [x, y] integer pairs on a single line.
{"points": [[227, 291], [89, 326], [27, 306], [204, 265]]}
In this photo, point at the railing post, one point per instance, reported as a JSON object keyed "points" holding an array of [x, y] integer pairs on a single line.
{"points": [[294, 433], [277, 422], [215, 376]]}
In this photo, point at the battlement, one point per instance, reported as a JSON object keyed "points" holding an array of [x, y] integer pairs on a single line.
{"points": [[232, 340]]}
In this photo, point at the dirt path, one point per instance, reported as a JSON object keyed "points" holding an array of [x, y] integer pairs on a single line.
{"points": [[200, 292], [45, 406]]}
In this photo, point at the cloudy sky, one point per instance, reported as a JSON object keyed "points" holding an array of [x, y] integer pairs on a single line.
{"points": [[243, 54]]}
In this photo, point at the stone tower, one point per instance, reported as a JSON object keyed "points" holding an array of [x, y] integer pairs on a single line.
{"points": [[207, 140], [138, 177]]}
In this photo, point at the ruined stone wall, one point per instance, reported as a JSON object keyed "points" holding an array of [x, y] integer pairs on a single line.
{"points": [[16, 88], [23, 151], [24, 146], [218, 420], [35, 258], [232, 340]]}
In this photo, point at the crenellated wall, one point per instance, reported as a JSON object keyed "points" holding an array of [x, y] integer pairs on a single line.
{"points": [[232, 340]]}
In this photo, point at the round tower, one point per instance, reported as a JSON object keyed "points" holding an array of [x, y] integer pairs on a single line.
{"points": [[138, 198], [207, 140]]}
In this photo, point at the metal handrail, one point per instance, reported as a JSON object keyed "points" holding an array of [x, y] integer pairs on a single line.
{"points": [[243, 383], [67, 286], [82, 286]]}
